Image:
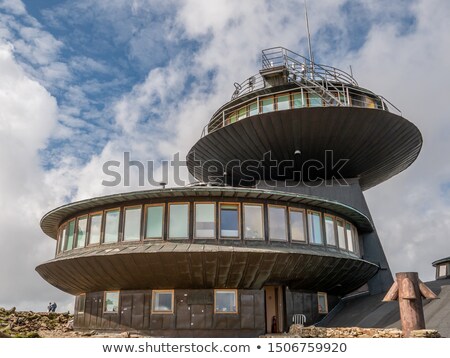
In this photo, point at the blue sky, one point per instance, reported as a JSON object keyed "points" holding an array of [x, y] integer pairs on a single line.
{"points": [[83, 81]]}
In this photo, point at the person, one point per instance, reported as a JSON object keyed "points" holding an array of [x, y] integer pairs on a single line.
{"points": [[54, 307], [49, 307]]}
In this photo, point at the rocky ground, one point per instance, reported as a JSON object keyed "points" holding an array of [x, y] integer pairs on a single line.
{"points": [[28, 324]]}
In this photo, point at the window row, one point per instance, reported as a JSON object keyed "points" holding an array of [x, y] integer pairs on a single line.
{"points": [[231, 221], [292, 100], [225, 301]]}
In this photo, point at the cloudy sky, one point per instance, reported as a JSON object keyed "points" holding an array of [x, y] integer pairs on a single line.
{"points": [[81, 82]]}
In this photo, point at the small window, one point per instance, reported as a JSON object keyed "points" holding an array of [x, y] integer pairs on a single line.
{"points": [[179, 221], [229, 221], [298, 100], [314, 100], [81, 232], [355, 240], [283, 102], [322, 302], [111, 302], [112, 226], [62, 238], [225, 301], [162, 301], [95, 228], [297, 225], [277, 223], [253, 222], [242, 113], [329, 230], [341, 233], [348, 231], [442, 270], [231, 118], [154, 221], [252, 109], [267, 105], [315, 227], [132, 227], [81, 304], [70, 233], [205, 223]]}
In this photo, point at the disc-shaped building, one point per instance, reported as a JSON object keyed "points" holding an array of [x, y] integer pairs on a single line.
{"points": [[276, 231]]}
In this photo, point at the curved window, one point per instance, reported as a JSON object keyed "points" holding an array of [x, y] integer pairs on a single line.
{"points": [[132, 227], [277, 223], [205, 223], [283, 102], [154, 221], [81, 231], [62, 238], [315, 227], [329, 230], [111, 226], [349, 233], [298, 100], [297, 225], [179, 221], [314, 100], [442, 270], [253, 222], [68, 244], [229, 221], [95, 228], [341, 233], [267, 105]]}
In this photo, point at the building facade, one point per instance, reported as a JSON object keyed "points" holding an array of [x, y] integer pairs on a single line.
{"points": [[276, 230]]}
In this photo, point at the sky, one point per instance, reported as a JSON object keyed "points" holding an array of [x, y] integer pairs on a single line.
{"points": [[82, 82]]}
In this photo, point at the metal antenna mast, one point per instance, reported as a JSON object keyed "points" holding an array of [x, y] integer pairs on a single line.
{"points": [[311, 58]]}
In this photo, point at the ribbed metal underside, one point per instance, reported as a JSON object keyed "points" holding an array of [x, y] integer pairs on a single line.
{"points": [[377, 144], [178, 266]]}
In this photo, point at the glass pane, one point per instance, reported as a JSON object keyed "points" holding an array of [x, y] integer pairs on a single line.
{"points": [[163, 302], [229, 221], [315, 229], [81, 232], [154, 222], [314, 100], [178, 221], [205, 225], [277, 223], [348, 229], [298, 101], [232, 118], [112, 226], [95, 230], [71, 231], [253, 222], [253, 109], [132, 229], [112, 302], [226, 302], [341, 233], [370, 102], [283, 102], [442, 270], [62, 239], [297, 222], [267, 105], [322, 302], [329, 231], [242, 113]]}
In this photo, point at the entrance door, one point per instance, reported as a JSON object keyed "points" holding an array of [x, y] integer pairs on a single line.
{"points": [[274, 309]]}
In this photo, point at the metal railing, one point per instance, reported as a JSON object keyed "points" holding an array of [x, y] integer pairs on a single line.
{"points": [[334, 86]]}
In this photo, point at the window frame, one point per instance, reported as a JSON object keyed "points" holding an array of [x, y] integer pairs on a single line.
{"points": [[105, 213], [286, 228], [62, 238], [261, 104], [102, 216], [238, 238], [244, 204], [188, 221], [163, 232], [75, 242], [305, 227], [154, 292], [283, 94], [78, 304], [124, 220], [311, 228], [236, 300], [194, 223], [439, 270], [325, 215], [66, 241], [345, 234], [325, 296], [104, 302]]}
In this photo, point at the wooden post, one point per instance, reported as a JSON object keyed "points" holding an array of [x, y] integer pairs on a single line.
{"points": [[408, 290]]}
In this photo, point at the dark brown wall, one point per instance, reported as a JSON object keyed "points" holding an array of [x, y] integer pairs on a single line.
{"points": [[193, 315]]}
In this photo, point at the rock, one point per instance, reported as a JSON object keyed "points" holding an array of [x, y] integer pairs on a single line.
{"points": [[11, 311], [3, 335], [89, 334], [125, 335], [69, 325], [425, 333]]}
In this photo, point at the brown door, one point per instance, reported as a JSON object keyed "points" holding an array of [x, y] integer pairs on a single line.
{"points": [[274, 309]]}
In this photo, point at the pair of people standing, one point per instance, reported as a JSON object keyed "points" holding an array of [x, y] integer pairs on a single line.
{"points": [[51, 307]]}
